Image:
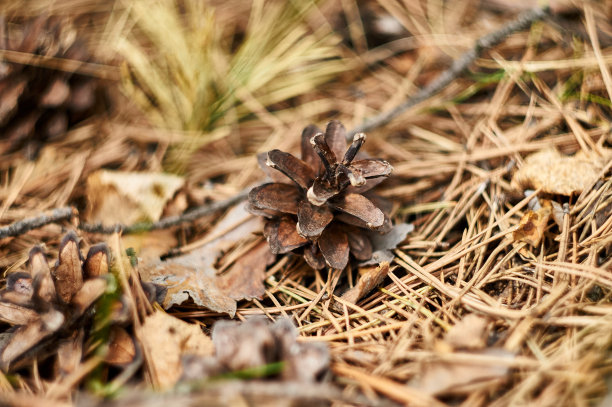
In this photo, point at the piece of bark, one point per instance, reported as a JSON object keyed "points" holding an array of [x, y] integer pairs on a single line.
{"points": [[165, 340]]}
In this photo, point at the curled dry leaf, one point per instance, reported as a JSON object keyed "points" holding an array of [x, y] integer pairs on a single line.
{"points": [[165, 340], [383, 244], [448, 375], [559, 174], [257, 343], [195, 275]]}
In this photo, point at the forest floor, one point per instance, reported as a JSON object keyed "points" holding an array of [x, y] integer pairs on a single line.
{"points": [[498, 286]]}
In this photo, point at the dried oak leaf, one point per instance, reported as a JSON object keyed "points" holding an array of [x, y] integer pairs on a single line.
{"points": [[121, 349], [195, 275], [464, 360], [130, 197], [327, 211], [559, 174], [165, 340]]}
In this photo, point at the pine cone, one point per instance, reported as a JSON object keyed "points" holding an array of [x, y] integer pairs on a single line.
{"points": [[323, 213], [49, 308], [39, 103]]}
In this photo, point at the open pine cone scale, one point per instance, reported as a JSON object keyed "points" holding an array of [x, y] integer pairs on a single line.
{"points": [[323, 211]]}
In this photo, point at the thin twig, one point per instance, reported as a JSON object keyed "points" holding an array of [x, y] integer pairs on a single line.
{"points": [[521, 22], [168, 222], [24, 226], [61, 214]]}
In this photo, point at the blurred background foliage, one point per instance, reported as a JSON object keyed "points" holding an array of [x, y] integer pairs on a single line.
{"points": [[197, 70]]}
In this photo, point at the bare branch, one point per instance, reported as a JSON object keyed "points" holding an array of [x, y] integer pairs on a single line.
{"points": [[521, 22], [24, 226], [61, 214]]}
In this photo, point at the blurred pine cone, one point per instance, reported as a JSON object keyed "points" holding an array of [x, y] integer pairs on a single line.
{"points": [[39, 103], [52, 309], [323, 213]]}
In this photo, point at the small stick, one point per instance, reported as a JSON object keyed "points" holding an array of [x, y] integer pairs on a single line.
{"points": [[521, 22], [60, 214], [24, 226], [168, 222]]}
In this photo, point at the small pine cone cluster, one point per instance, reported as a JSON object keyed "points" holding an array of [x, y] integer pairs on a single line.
{"points": [[38, 101], [326, 211], [48, 308]]}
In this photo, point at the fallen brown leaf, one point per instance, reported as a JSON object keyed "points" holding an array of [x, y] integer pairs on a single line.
{"points": [[195, 275], [165, 340], [556, 173], [121, 349], [256, 343]]}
